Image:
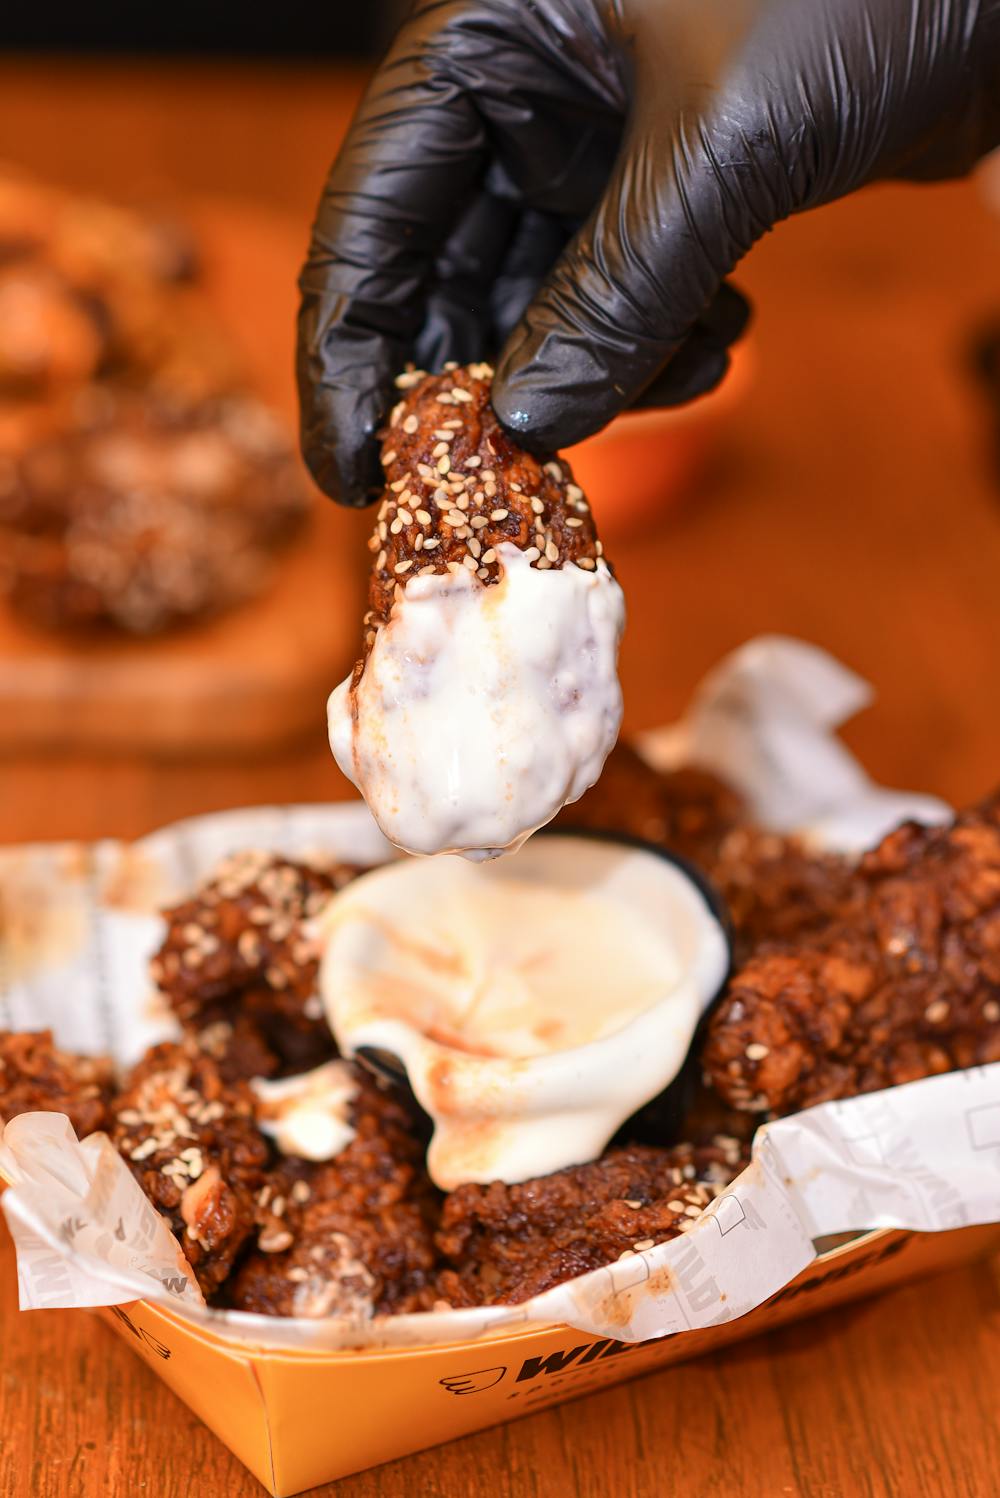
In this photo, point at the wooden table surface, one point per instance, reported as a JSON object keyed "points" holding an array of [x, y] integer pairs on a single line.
{"points": [[850, 502]]}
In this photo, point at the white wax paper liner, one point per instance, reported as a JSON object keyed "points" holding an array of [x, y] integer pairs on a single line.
{"points": [[925, 1156], [80, 924]]}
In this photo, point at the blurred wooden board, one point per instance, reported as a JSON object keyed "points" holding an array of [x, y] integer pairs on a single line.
{"points": [[257, 676]]}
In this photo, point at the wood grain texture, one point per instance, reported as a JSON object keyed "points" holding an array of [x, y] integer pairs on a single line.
{"points": [[851, 502]]}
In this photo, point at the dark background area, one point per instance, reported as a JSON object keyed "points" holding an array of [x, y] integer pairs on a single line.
{"points": [[300, 29]]}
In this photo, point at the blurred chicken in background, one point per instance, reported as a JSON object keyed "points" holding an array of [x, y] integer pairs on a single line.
{"points": [[141, 484]]}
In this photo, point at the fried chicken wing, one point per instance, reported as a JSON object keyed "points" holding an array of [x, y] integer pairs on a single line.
{"points": [[494, 622], [504, 1244], [351, 1235], [192, 1143], [235, 950], [905, 984], [37, 1077]]}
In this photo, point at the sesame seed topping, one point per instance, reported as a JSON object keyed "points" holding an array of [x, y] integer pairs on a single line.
{"points": [[499, 514], [516, 487], [474, 547], [275, 1242], [380, 561], [423, 517], [574, 492], [397, 485], [552, 551], [397, 412], [587, 563], [455, 517], [439, 450], [991, 1010], [532, 553], [462, 395], [405, 516], [410, 424], [543, 564], [756, 1051], [396, 526], [430, 545], [937, 1011], [644, 1243], [488, 476], [478, 521], [473, 462], [389, 457], [537, 506], [573, 521], [443, 464], [470, 562], [555, 469], [456, 424], [489, 556], [401, 567], [418, 541]]}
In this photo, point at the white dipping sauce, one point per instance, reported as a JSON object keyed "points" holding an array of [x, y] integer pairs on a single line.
{"points": [[535, 1004], [309, 1114], [483, 710]]}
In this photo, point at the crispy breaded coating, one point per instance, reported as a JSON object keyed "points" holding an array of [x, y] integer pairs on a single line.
{"points": [[351, 1235], [36, 1077], [237, 1046], [457, 487], [905, 985], [504, 1243], [775, 888], [236, 949], [688, 811], [191, 1142]]}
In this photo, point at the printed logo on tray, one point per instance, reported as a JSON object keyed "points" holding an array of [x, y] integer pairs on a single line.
{"points": [[473, 1383], [553, 1363], [151, 1343]]}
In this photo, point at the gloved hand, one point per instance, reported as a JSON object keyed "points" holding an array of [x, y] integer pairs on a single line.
{"points": [[566, 183]]}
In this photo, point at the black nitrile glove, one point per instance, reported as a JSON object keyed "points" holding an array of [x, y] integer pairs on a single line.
{"points": [[566, 183]]}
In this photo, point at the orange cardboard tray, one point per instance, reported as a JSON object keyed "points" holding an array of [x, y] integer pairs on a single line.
{"points": [[298, 1419]]}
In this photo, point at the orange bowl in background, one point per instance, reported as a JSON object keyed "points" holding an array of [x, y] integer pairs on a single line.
{"points": [[645, 460]]}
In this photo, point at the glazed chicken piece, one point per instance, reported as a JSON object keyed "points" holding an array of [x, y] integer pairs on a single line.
{"points": [[906, 984], [352, 1235], [192, 1143], [486, 696], [235, 954], [37, 1077], [504, 1244]]}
